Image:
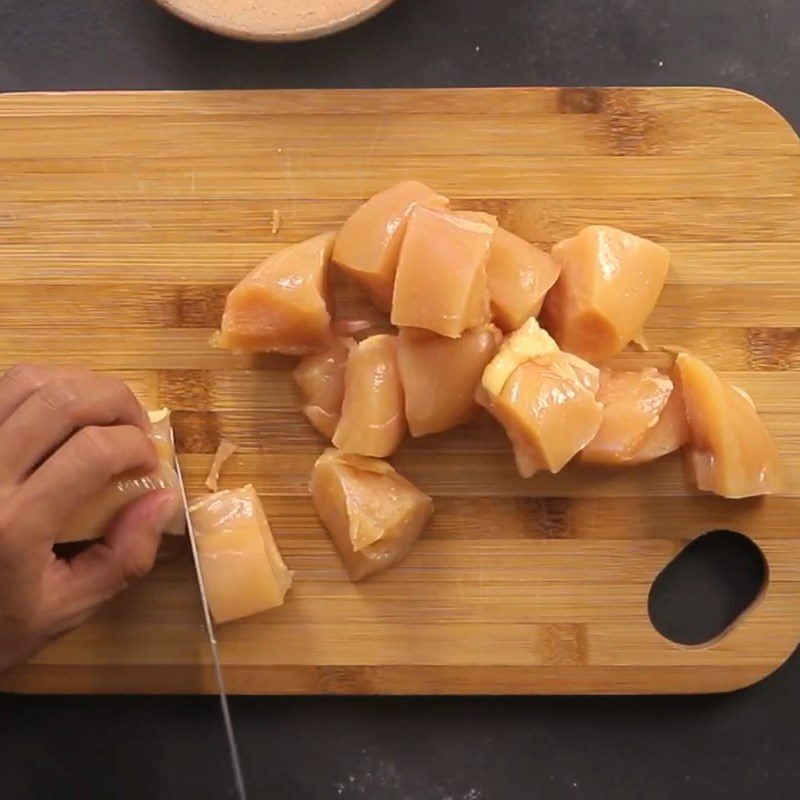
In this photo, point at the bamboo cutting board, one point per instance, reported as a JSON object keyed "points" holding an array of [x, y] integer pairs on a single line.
{"points": [[125, 218]]}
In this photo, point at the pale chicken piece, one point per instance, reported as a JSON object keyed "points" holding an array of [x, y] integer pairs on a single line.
{"points": [[586, 373], [548, 413], [669, 434], [373, 515], [372, 421], [225, 450], [730, 452], [320, 379], [527, 343], [633, 402], [478, 216], [161, 434], [441, 275], [544, 398], [440, 375], [243, 570], [609, 283], [519, 276], [368, 245], [282, 306], [93, 517]]}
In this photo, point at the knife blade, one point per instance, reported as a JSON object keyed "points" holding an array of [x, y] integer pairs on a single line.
{"points": [[238, 776]]}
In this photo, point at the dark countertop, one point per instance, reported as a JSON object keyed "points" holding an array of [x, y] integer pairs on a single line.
{"points": [[741, 745]]}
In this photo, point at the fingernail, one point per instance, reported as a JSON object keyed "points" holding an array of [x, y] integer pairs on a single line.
{"points": [[165, 510]]}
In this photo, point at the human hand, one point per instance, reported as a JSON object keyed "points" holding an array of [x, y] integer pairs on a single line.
{"points": [[65, 433]]}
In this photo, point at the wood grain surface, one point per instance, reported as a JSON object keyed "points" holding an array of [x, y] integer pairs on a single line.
{"points": [[124, 220]]}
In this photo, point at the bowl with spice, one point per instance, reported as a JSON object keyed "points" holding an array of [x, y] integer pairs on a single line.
{"points": [[274, 20]]}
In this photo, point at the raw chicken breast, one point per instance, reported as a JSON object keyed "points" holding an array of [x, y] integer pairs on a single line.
{"points": [[320, 379], [373, 515], [519, 275], [282, 305], [478, 216], [368, 244], [373, 420], [609, 283], [243, 570], [632, 406], [225, 450], [92, 518], [440, 375], [543, 397], [731, 452], [670, 433], [441, 275], [161, 434]]}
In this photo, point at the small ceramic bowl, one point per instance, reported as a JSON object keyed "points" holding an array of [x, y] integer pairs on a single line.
{"points": [[274, 20]]}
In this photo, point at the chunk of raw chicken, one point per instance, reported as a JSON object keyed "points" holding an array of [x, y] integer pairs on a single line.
{"points": [[730, 452], [373, 515], [441, 275], [609, 283], [282, 305], [372, 421], [320, 379], [520, 275], [243, 571], [92, 518], [543, 397], [225, 450], [633, 403], [670, 433], [440, 375], [368, 244], [478, 216]]}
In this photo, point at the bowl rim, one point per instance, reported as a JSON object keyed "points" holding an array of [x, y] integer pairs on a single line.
{"points": [[275, 34]]}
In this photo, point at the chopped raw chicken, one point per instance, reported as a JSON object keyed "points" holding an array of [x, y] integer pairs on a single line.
{"points": [[92, 518], [320, 379], [528, 343], [670, 433], [440, 375], [161, 434], [730, 452], [543, 397], [373, 420], [243, 571], [225, 450], [441, 275], [633, 403], [374, 516], [519, 275], [609, 283], [368, 244], [282, 305], [478, 216]]}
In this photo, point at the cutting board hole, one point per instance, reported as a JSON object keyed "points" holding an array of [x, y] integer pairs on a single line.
{"points": [[707, 587]]}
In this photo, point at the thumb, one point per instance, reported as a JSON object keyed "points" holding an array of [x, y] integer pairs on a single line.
{"points": [[77, 586]]}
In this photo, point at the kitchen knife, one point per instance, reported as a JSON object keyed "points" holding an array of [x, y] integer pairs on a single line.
{"points": [[212, 639]]}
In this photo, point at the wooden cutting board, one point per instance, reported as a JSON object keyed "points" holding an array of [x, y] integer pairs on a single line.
{"points": [[125, 218]]}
